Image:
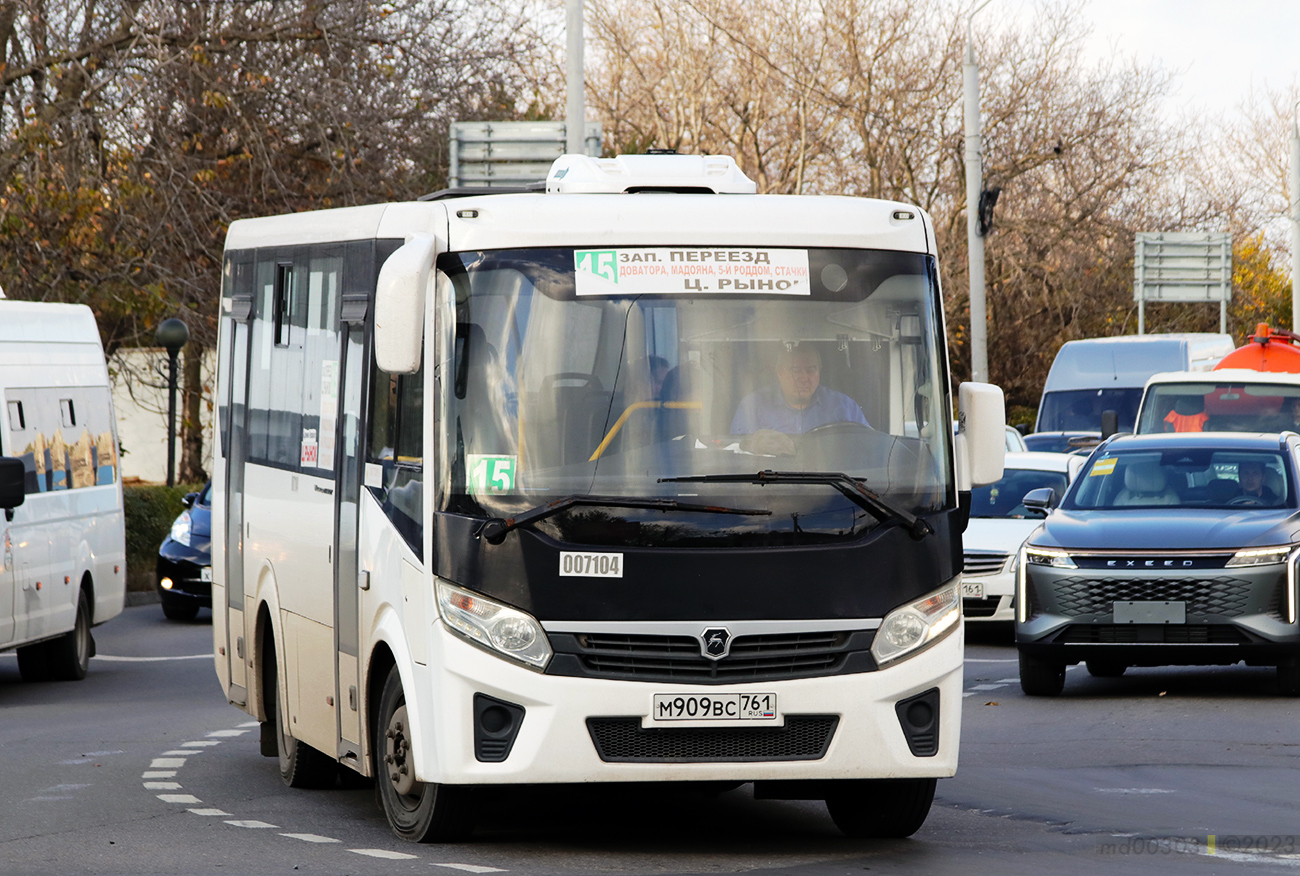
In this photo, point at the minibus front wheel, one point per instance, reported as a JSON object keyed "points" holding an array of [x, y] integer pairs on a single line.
{"points": [[422, 812]]}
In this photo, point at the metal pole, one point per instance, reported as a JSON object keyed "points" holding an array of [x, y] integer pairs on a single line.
{"points": [[1295, 224], [575, 108], [171, 415], [979, 356]]}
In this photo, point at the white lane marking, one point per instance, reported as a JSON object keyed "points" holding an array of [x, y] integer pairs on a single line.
{"points": [[1008, 681], [226, 733], [383, 853], [201, 743], [969, 693], [992, 660], [987, 687], [157, 774], [76, 760], [182, 752], [1248, 858], [252, 823], [250, 724], [166, 763], [179, 798], [311, 837], [471, 868], [1134, 791], [209, 812], [111, 659], [162, 786], [102, 753]]}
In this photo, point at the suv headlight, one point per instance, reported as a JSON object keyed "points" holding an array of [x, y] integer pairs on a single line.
{"points": [[494, 626], [917, 624], [181, 529], [1036, 556], [1260, 556]]}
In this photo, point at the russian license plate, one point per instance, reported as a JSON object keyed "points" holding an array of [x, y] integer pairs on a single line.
{"points": [[972, 589], [715, 707], [205, 574]]}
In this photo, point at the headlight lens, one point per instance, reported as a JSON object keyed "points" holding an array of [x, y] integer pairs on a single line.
{"points": [[1260, 556], [1013, 565], [917, 624], [497, 627], [181, 528], [1047, 557]]}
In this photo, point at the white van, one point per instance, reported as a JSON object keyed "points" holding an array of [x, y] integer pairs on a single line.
{"points": [[1108, 374], [63, 566]]}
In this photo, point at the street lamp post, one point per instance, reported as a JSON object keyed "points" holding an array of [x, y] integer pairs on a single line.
{"points": [[1294, 196], [172, 334], [979, 354], [575, 116]]}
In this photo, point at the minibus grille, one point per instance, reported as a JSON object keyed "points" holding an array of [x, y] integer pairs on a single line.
{"points": [[624, 740], [767, 657]]}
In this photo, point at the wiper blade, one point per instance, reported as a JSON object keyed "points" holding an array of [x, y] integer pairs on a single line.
{"points": [[494, 529], [857, 492]]}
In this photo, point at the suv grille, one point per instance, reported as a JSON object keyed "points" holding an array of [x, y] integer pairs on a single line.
{"points": [[1219, 596], [767, 657], [624, 740], [983, 563]]}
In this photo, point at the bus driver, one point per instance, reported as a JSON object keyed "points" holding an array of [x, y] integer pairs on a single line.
{"points": [[798, 403]]}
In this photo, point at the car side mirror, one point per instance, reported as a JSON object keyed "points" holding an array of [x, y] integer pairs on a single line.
{"points": [[1022, 428], [1109, 424], [188, 499], [13, 488], [1041, 500]]}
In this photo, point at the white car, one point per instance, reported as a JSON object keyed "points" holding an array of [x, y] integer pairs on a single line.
{"points": [[999, 524]]}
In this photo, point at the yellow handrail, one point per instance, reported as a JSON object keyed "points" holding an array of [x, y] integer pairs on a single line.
{"points": [[637, 406]]}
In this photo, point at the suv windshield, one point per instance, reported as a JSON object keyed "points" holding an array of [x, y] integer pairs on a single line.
{"points": [[601, 373], [1198, 477], [1221, 407]]}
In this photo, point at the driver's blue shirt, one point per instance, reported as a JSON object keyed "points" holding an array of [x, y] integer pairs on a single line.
{"points": [[767, 409]]}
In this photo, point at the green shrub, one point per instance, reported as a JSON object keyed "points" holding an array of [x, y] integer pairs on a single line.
{"points": [[150, 510]]}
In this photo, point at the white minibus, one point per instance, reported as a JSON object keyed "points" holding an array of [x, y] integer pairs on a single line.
{"points": [[63, 566], [643, 477]]}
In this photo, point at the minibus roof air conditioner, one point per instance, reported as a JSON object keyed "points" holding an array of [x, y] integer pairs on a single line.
{"points": [[685, 174]]}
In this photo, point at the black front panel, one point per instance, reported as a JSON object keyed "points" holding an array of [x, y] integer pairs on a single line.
{"points": [[861, 578], [624, 740]]}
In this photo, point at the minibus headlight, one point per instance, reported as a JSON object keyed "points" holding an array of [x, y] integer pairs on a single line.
{"points": [[1260, 556], [917, 624], [181, 529], [498, 627]]}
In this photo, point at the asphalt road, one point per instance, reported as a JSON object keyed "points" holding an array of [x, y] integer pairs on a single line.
{"points": [[144, 769]]}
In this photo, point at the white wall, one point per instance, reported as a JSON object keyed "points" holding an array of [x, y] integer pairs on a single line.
{"points": [[139, 377]]}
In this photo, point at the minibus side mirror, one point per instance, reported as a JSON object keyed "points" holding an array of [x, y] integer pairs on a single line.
{"points": [[399, 305], [13, 490], [981, 443], [1041, 500]]}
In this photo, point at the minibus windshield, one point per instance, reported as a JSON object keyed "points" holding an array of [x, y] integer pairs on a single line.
{"points": [[620, 372]]}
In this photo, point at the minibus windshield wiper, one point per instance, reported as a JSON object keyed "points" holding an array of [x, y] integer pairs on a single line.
{"points": [[857, 492], [495, 528]]}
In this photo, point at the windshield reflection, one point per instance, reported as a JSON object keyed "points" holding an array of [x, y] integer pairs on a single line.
{"points": [[553, 388]]}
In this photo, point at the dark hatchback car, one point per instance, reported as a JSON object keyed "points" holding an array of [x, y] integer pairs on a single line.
{"points": [[1166, 550], [185, 559]]}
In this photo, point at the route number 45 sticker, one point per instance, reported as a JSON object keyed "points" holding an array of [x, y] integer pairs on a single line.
{"points": [[490, 474]]}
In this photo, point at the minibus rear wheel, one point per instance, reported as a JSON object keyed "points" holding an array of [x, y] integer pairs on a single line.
{"points": [[301, 766], [881, 808], [422, 812], [68, 657]]}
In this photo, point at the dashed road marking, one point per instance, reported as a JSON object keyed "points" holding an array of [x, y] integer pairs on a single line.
{"points": [[384, 853], [182, 752], [162, 786], [311, 837], [157, 774], [209, 812], [179, 798], [164, 763], [471, 868], [987, 687], [253, 823], [201, 743], [227, 733]]}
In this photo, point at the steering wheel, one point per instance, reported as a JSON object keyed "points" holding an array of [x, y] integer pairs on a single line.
{"points": [[1245, 500], [840, 427]]}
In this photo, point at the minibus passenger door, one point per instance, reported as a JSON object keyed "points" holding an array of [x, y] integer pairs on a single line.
{"points": [[347, 490], [11, 489], [236, 647]]}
